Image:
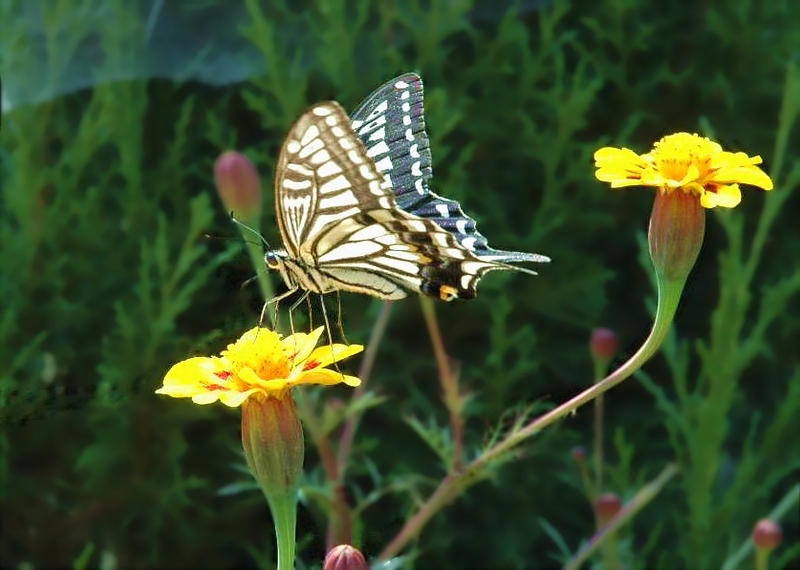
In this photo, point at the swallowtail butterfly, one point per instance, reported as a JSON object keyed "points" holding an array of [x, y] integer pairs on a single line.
{"points": [[342, 228], [391, 124]]}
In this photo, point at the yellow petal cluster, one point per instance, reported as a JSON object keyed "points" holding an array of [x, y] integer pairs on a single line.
{"points": [[694, 164], [260, 362]]}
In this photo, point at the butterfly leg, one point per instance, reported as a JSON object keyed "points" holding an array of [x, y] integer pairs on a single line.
{"points": [[328, 329], [339, 317], [310, 313], [294, 306], [276, 300]]}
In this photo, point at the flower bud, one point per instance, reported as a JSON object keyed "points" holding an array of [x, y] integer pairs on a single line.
{"points": [[344, 557], [272, 438], [677, 228], [607, 506], [238, 185], [603, 344], [767, 534]]}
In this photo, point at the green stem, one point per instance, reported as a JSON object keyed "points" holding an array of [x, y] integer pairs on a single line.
{"points": [[284, 515]]}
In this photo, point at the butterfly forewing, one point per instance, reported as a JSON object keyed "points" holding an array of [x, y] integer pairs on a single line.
{"points": [[391, 123], [341, 226]]}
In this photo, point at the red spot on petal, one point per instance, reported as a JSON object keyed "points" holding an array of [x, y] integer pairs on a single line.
{"points": [[310, 364], [214, 387], [224, 374]]}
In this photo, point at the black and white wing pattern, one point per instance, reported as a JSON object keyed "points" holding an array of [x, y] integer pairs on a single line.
{"points": [[343, 230], [391, 124]]}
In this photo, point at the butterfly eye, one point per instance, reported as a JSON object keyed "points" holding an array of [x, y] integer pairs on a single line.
{"points": [[273, 260]]}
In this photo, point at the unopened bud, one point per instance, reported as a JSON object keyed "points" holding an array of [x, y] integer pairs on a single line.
{"points": [[603, 344], [607, 506], [344, 557], [238, 184], [272, 438], [767, 534], [677, 228]]}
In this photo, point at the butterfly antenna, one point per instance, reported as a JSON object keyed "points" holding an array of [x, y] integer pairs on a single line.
{"points": [[251, 230]]}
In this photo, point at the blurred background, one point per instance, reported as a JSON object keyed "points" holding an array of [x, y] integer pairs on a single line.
{"points": [[117, 260]]}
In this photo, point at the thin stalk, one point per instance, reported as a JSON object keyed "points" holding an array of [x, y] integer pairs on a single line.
{"points": [[448, 380]]}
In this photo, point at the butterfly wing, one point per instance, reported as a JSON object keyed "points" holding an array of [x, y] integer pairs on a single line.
{"points": [[391, 124], [341, 226]]}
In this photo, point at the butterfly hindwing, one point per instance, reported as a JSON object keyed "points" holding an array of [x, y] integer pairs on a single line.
{"points": [[341, 226], [391, 123]]}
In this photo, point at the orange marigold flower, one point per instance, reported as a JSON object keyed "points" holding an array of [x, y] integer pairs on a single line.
{"points": [[694, 164], [260, 362]]}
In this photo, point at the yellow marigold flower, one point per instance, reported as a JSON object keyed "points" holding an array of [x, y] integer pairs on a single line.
{"points": [[694, 164], [265, 366], [260, 362]]}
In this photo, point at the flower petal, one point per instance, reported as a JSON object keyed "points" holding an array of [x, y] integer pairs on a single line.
{"points": [[236, 399], [751, 175], [728, 196], [299, 345], [196, 375], [204, 398], [327, 355], [327, 377], [619, 166]]}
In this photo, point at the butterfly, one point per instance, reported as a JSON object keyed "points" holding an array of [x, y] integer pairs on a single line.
{"points": [[342, 228], [391, 124]]}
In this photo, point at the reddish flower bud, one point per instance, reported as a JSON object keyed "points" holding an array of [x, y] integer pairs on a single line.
{"points": [[603, 344], [607, 506], [238, 184], [344, 557], [677, 228], [579, 453], [767, 534]]}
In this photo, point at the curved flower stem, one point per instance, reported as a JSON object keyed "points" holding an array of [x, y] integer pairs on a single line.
{"points": [[669, 294]]}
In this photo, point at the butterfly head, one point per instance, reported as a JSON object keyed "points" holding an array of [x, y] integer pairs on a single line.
{"points": [[275, 259]]}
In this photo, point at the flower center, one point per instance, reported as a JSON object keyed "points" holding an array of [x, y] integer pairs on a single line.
{"points": [[675, 155]]}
